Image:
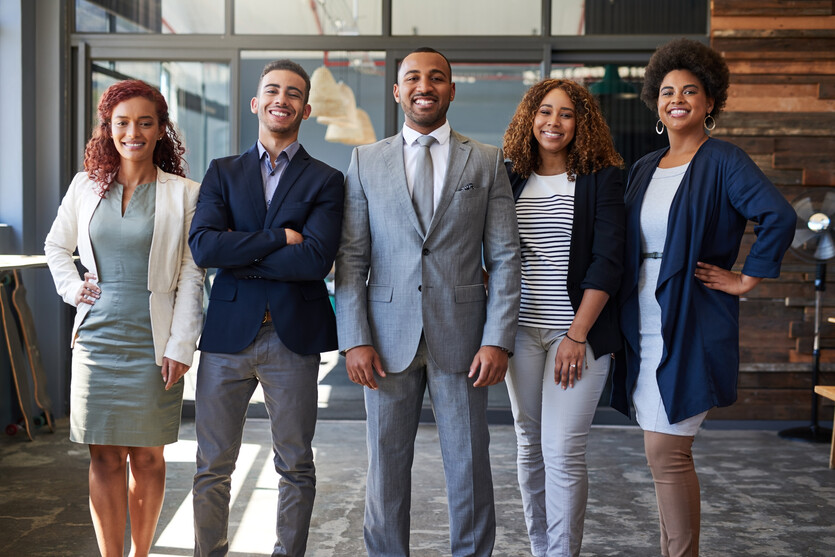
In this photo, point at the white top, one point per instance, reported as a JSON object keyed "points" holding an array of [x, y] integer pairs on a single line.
{"points": [[655, 210], [438, 150], [545, 211]]}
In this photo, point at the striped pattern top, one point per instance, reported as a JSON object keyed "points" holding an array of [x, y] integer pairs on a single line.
{"points": [[545, 211]]}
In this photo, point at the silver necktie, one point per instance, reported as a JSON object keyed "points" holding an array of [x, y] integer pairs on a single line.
{"points": [[423, 188]]}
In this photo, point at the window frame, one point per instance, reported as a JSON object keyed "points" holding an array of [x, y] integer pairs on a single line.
{"points": [[544, 50]]}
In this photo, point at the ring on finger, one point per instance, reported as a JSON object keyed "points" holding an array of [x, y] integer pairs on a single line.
{"points": [[573, 365]]}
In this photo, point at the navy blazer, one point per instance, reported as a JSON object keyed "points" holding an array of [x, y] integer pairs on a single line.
{"points": [[233, 231], [595, 259], [721, 190]]}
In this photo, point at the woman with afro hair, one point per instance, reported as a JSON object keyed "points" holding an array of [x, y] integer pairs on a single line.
{"points": [[569, 202], [687, 206], [139, 306]]}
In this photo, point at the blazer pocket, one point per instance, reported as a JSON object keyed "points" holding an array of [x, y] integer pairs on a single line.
{"points": [[380, 293], [470, 293], [471, 198], [223, 291]]}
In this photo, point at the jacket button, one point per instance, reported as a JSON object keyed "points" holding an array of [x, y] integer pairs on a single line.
{"points": [[419, 288], [426, 251]]}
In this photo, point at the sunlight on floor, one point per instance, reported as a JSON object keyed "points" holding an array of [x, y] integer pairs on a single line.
{"points": [[249, 536]]}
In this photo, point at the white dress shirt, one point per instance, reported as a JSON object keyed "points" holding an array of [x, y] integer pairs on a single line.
{"points": [[438, 150]]}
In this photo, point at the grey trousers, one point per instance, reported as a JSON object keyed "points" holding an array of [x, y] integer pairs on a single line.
{"points": [[461, 415], [552, 428], [225, 383]]}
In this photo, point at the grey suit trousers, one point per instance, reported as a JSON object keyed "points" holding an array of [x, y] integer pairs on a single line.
{"points": [[225, 383], [461, 415]]}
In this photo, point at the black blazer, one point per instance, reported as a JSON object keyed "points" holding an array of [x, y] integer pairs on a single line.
{"points": [[597, 243], [234, 231]]}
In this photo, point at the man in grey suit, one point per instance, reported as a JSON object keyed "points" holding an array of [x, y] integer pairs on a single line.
{"points": [[423, 210]]}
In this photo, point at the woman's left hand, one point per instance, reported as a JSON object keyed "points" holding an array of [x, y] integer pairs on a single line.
{"points": [[717, 278], [568, 364], [172, 371]]}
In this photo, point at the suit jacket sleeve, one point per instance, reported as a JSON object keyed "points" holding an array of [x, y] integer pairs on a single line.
{"points": [[313, 258], [211, 241], [606, 268], [188, 300], [61, 243], [353, 261], [502, 261], [756, 198]]}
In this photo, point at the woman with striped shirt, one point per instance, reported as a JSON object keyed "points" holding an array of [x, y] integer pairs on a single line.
{"points": [[569, 202]]}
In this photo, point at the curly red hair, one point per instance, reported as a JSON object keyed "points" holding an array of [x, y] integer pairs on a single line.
{"points": [[102, 160], [592, 148]]}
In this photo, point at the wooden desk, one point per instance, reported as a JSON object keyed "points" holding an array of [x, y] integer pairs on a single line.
{"points": [[828, 391]]}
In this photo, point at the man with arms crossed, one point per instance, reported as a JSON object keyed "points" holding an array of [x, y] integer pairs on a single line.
{"points": [[270, 221], [412, 310]]}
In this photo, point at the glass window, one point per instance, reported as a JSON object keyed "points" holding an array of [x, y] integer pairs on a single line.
{"points": [[466, 17], [618, 89], [197, 94], [628, 17], [150, 16], [486, 96], [347, 95], [309, 17], [568, 17]]}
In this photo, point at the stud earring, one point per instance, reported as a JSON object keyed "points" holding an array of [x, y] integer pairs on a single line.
{"points": [[659, 127]]}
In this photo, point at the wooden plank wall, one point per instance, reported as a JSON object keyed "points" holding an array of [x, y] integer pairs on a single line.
{"points": [[781, 110]]}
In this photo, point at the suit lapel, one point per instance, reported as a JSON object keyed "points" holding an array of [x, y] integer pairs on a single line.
{"points": [[459, 154], [291, 174], [393, 157], [253, 184]]}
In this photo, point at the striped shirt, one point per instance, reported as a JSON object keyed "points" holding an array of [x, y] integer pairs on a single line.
{"points": [[545, 211]]}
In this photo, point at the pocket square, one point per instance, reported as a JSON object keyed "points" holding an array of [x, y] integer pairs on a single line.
{"points": [[467, 188]]}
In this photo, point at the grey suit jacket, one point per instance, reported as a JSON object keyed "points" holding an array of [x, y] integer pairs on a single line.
{"points": [[393, 282]]}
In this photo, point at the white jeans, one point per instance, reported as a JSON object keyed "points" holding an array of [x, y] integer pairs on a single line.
{"points": [[552, 427]]}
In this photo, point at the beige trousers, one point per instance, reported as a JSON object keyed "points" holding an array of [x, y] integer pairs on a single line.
{"points": [[677, 490]]}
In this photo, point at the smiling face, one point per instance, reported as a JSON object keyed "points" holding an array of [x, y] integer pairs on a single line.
{"points": [[683, 103], [280, 104], [135, 130], [424, 89], [554, 123]]}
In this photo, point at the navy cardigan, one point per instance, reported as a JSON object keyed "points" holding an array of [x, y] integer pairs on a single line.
{"points": [[596, 253], [721, 190]]}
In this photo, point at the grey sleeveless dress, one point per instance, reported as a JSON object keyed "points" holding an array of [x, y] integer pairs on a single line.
{"points": [[117, 396]]}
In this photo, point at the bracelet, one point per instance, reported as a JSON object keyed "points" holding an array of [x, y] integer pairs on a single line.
{"points": [[572, 340]]}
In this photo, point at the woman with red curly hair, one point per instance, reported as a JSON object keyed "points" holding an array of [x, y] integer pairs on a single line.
{"points": [[139, 306], [569, 204]]}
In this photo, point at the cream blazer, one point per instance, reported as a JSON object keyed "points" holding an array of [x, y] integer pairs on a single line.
{"points": [[174, 280]]}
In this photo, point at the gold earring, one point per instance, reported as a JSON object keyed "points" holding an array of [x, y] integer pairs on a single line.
{"points": [[712, 125]]}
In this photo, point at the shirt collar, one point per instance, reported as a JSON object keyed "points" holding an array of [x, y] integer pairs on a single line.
{"points": [[290, 150], [441, 134]]}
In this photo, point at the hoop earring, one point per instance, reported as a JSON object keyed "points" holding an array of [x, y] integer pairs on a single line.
{"points": [[710, 127], [659, 127]]}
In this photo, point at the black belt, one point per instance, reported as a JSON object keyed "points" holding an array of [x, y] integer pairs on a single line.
{"points": [[652, 255]]}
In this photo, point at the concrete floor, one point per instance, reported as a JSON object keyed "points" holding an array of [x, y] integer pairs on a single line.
{"points": [[761, 495]]}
